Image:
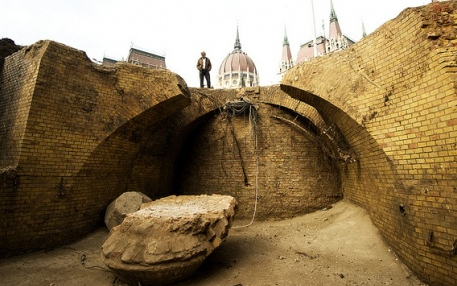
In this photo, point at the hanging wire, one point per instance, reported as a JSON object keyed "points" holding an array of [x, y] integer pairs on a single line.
{"points": [[236, 108]]}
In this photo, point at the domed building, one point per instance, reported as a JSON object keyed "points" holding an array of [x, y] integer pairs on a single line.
{"points": [[237, 69]]}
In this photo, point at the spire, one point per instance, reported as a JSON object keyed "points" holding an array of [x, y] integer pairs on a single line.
{"points": [[286, 58], [237, 41], [286, 41], [364, 33], [332, 13], [334, 28]]}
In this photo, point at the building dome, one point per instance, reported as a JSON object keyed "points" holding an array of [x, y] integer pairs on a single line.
{"points": [[237, 69]]}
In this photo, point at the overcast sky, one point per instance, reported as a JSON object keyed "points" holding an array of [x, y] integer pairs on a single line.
{"points": [[180, 30]]}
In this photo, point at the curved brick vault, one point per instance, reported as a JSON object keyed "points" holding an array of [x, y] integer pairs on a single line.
{"points": [[70, 131], [393, 97], [375, 123]]}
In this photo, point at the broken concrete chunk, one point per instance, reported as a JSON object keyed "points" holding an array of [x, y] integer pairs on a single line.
{"points": [[126, 203], [167, 240]]}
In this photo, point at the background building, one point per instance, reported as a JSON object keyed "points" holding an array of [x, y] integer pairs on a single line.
{"points": [[142, 58], [146, 59], [336, 41], [108, 61], [237, 69]]}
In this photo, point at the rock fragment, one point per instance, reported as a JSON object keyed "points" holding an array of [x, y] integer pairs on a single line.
{"points": [[126, 203], [168, 239]]}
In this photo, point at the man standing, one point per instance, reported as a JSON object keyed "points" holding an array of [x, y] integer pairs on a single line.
{"points": [[204, 66]]}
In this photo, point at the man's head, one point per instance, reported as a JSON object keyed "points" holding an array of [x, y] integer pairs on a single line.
{"points": [[203, 54]]}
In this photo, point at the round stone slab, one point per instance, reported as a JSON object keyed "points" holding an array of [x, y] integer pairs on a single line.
{"points": [[167, 239]]}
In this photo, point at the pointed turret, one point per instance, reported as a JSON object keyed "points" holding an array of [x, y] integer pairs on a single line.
{"points": [[332, 13], [285, 42], [286, 59], [336, 39], [335, 30], [322, 45]]}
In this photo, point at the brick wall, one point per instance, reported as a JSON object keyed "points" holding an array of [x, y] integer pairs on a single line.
{"points": [[394, 99], [16, 90], [90, 133], [77, 135], [72, 133], [270, 156]]}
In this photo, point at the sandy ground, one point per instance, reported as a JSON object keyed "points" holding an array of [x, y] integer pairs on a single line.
{"points": [[339, 246]]}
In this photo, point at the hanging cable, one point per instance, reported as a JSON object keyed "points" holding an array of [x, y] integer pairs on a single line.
{"points": [[236, 108], [253, 118]]}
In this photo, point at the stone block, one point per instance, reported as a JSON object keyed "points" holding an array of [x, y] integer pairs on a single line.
{"points": [[168, 239]]}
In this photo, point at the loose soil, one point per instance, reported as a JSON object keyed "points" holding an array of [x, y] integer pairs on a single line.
{"points": [[338, 246]]}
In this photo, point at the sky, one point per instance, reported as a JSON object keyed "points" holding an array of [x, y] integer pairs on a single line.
{"points": [[180, 30]]}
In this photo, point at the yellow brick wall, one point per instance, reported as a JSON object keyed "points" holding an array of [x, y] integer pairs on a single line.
{"points": [[76, 135], [71, 134], [393, 97], [269, 157]]}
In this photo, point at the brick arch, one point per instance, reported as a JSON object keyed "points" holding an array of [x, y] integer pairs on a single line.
{"points": [[76, 107], [393, 97], [371, 179], [313, 108], [276, 96], [143, 149], [207, 103], [289, 176], [117, 164]]}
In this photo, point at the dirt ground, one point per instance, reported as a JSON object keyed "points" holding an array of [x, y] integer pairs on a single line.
{"points": [[338, 246]]}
